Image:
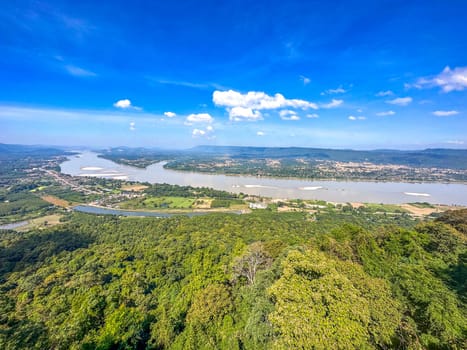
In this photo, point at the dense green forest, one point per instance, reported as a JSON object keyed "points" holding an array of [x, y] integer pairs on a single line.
{"points": [[258, 281]]}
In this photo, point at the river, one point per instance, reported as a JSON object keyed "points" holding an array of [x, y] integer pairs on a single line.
{"points": [[89, 164], [14, 225], [108, 211]]}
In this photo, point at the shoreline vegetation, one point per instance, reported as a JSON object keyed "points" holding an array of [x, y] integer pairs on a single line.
{"points": [[288, 177], [427, 166]]}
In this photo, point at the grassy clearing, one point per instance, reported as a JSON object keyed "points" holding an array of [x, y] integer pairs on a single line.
{"points": [[422, 205], [385, 208], [169, 202], [159, 203], [40, 188], [42, 222]]}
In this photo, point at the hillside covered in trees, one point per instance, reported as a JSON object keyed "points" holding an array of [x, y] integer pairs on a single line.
{"points": [[258, 281]]}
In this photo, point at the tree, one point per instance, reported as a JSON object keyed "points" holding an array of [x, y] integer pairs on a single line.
{"points": [[253, 260], [324, 303]]}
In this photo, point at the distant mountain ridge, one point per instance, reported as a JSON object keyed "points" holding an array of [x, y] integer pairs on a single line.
{"points": [[9, 151], [427, 158], [434, 157]]}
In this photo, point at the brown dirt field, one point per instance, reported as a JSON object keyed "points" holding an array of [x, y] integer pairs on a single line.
{"points": [[286, 209], [419, 211], [136, 188], [202, 204], [357, 205], [56, 201]]}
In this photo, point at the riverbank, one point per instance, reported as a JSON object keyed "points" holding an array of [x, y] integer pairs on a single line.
{"points": [[332, 191]]}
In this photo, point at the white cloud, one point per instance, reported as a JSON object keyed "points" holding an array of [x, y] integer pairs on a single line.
{"points": [[238, 114], [123, 103], [199, 118], [384, 114], [448, 80], [292, 117], [288, 115], [400, 101], [257, 100], [260, 133], [132, 126], [126, 104], [79, 72], [334, 103], [339, 90], [286, 112], [445, 113], [455, 142], [314, 115], [170, 114], [305, 80], [385, 93], [203, 133], [351, 117], [198, 132]]}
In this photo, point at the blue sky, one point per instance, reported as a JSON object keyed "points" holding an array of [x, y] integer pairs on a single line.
{"points": [[354, 74]]}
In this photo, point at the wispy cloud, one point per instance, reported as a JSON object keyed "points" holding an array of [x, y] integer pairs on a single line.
{"points": [[425, 102], [333, 104], [313, 115], [385, 93], [46, 21], [455, 142], [385, 114], [132, 126], [78, 71], [339, 90], [194, 85], [56, 114], [353, 118], [305, 80], [199, 118], [448, 80], [260, 133], [400, 101], [445, 113]]}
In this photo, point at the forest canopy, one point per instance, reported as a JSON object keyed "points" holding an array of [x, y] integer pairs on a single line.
{"points": [[258, 281]]}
